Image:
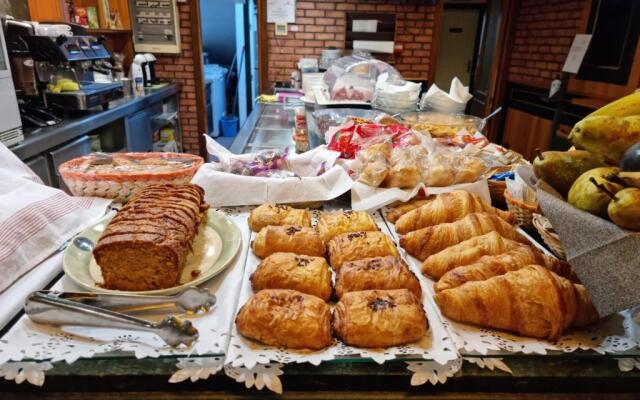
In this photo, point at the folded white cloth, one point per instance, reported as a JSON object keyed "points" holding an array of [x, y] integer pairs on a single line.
{"points": [[455, 101], [35, 219]]}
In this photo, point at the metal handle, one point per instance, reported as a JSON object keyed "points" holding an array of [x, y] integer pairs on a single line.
{"points": [[191, 300], [47, 309]]}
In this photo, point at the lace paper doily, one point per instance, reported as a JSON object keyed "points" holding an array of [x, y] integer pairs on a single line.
{"points": [[436, 345], [28, 340], [611, 335]]}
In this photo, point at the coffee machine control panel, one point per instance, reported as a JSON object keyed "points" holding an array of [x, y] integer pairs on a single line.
{"points": [[156, 26]]}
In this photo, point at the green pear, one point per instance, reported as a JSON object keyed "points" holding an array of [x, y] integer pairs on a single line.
{"points": [[561, 168], [624, 209], [587, 196]]}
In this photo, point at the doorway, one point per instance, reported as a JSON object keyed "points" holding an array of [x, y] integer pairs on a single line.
{"points": [[458, 44]]}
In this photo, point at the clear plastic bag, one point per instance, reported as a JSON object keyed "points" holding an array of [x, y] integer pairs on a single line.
{"points": [[354, 77], [372, 164]]}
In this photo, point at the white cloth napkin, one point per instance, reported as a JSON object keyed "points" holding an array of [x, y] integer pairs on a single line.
{"points": [[453, 102], [35, 219]]}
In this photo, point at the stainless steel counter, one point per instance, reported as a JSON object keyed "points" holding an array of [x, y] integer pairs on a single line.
{"points": [[269, 126], [38, 140]]}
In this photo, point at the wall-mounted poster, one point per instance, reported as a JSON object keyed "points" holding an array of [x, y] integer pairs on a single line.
{"points": [[281, 11]]}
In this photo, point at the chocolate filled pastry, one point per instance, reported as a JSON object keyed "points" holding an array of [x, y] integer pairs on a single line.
{"points": [[287, 318], [289, 239], [358, 245], [277, 214], [306, 274], [332, 224], [382, 273], [379, 318]]}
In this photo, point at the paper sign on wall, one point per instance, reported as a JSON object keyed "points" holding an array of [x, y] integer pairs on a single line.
{"points": [[281, 11], [576, 53]]}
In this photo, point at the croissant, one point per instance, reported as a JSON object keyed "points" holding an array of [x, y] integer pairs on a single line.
{"points": [[489, 266], [447, 207], [277, 214], [396, 212], [427, 241], [467, 252], [531, 301]]}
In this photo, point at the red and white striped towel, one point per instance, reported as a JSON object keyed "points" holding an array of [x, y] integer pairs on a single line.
{"points": [[35, 220]]}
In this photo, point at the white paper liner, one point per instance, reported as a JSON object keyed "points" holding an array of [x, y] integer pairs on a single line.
{"points": [[30, 341], [226, 189], [610, 335], [365, 197], [436, 345]]}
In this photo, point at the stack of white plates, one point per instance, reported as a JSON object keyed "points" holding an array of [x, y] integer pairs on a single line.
{"points": [[329, 56], [396, 97]]}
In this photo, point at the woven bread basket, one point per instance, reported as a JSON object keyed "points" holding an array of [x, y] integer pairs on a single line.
{"points": [[119, 186], [497, 188], [522, 211], [550, 237]]}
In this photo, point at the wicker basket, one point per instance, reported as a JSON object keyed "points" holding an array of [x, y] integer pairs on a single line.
{"points": [[121, 185], [497, 188], [550, 237], [523, 212]]}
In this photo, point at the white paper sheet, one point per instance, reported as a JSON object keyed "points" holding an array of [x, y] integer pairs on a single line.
{"points": [[224, 189], [368, 198]]}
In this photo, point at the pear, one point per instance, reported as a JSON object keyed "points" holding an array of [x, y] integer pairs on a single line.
{"points": [[589, 197], [561, 168], [624, 209], [606, 137]]}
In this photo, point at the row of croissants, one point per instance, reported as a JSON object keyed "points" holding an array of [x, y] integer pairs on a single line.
{"points": [[485, 272]]}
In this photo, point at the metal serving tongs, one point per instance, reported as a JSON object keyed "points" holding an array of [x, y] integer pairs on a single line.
{"points": [[107, 311]]}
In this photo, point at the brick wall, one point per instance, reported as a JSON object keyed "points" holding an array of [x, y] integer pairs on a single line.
{"points": [[544, 32], [179, 68], [322, 23]]}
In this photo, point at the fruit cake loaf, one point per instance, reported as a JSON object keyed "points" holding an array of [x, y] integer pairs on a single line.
{"points": [[145, 245]]}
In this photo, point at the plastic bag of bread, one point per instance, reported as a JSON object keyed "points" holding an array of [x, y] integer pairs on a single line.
{"points": [[374, 162], [440, 171], [469, 169], [406, 171]]}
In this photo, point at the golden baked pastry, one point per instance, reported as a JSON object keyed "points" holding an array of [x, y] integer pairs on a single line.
{"points": [[427, 241], [381, 273], [289, 239], [358, 245], [531, 301], [332, 224], [306, 274], [447, 207], [398, 211], [287, 318], [489, 266], [467, 252], [379, 318], [277, 214]]}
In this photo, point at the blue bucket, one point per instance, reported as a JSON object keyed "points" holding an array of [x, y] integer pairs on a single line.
{"points": [[229, 125]]}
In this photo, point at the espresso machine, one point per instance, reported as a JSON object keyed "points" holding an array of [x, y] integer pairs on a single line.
{"points": [[73, 57]]}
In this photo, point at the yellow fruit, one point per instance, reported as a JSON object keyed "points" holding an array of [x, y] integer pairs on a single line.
{"points": [[69, 86], [623, 107], [606, 137]]}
